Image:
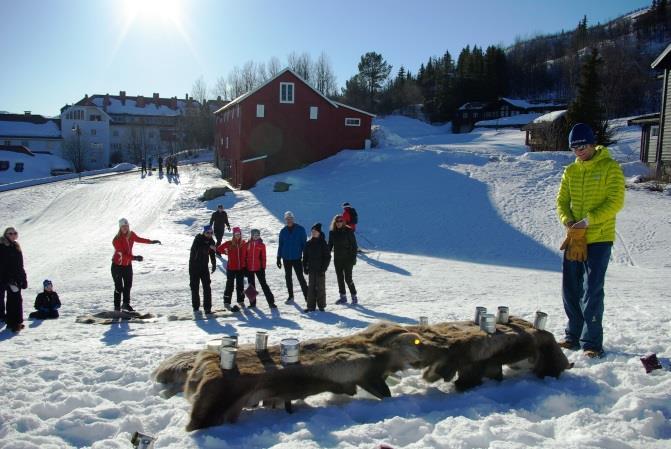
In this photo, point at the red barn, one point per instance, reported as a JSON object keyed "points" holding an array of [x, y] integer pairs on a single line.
{"points": [[282, 125]]}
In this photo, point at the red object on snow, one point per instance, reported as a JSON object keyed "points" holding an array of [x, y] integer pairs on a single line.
{"points": [[650, 362], [251, 294]]}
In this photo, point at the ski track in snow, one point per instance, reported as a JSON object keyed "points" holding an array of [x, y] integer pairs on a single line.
{"points": [[450, 222]]}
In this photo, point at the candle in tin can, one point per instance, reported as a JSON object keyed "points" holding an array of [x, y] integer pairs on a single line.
{"points": [[229, 341], [227, 356], [261, 341], [502, 315], [488, 323], [479, 311], [142, 441], [423, 320], [540, 320], [289, 350]]}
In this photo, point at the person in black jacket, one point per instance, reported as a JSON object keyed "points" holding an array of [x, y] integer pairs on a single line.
{"points": [[219, 220], [47, 303], [316, 259], [12, 278], [202, 250], [342, 242]]}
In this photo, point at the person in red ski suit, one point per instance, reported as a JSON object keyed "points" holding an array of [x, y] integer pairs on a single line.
{"points": [[236, 250]]}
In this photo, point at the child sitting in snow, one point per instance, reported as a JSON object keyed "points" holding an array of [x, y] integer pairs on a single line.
{"points": [[46, 303]]}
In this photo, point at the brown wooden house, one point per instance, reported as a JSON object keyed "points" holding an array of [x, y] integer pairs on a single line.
{"points": [[656, 128], [549, 132]]}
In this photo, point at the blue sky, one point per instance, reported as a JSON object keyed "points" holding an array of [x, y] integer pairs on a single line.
{"points": [[54, 52]]}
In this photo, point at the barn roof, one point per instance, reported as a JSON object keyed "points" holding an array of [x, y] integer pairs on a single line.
{"points": [[245, 95], [17, 149], [663, 61]]}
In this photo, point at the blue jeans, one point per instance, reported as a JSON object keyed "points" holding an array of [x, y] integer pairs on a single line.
{"points": [[582, 289]]}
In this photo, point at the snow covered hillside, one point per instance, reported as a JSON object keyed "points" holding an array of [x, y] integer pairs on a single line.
{"points": [[449, 221]]}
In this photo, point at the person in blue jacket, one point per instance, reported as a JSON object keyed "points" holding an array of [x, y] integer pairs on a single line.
{"points": [[47, 303], [290, 251]]}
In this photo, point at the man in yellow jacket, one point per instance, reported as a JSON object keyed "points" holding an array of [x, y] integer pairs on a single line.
{"points": [[590, 195]]}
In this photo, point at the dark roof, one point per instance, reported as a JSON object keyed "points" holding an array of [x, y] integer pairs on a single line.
{"points": [[17, 149], [646, 119], [663, 61], [31, 118]]}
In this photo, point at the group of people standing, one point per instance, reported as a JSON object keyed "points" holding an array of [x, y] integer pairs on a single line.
{"points": [[296, 253], [170, 165]]}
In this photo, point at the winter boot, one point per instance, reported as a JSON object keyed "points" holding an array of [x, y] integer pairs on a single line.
{"points": [[343, 299], [289, 300], [127, 308], [355, 300]]}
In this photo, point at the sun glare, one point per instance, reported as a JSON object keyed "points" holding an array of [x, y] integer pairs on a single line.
{"points": [[151, 11]]}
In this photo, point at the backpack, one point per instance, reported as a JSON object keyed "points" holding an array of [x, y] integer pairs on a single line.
{"points": [[354, 217]]}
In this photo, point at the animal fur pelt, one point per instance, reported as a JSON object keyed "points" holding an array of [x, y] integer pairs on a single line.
{"points": [[462, 348], [365, 359], [336, 365], [110, 317]]}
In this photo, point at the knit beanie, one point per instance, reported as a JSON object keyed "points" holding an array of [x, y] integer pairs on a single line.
{"points": [[581, 134], [123, 222]]}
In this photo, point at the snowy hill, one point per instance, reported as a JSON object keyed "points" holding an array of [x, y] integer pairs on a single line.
{"points": [[449, 222]]}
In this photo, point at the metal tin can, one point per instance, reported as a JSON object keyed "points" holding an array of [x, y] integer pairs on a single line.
{"points": [[479, 311], [488, 323], [502, 315], [289, 350], [423, 320], [229, 341], [214, 344], [227, 356], [142, 441], [540, 320], [261, 341]]}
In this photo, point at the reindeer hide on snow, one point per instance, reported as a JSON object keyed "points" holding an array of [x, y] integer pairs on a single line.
{"points": [[364, 359]]}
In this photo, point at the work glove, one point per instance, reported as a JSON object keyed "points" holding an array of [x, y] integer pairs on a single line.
{"points": [[138, 258], [214, 268], [155, 242], [279, 262], [575, 244]]}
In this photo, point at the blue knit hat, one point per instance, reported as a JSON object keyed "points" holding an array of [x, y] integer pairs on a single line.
{"points": [[581, 134], [46, 283], [207, 228]]}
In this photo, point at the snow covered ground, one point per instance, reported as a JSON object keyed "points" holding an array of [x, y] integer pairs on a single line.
{"points": [[450, 222]]}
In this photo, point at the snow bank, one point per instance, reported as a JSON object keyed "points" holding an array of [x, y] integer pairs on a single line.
{"points": [[34, 178]]}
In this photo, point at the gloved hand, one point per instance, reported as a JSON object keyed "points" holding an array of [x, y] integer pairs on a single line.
{"points": [[575, 244], [153, 242], [214, 268], [14, 288], [138, 258], [279, 262]]}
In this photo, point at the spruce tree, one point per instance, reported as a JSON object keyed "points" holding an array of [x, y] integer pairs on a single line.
{"points": [[587, 106], [374, 71]]}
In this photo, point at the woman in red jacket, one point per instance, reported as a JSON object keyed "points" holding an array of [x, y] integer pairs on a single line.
{"points": [[236, 250], [122, 268], [256, 266]]}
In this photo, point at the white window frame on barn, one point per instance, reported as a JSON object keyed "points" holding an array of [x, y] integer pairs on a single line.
{"points": [[314, 112], [260, 111], [352, 121], [284, 93], [654, 131]]}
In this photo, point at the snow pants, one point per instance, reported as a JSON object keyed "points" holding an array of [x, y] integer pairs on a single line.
{"points": [[44, 315], [344, 276], [297, 266], [317, 290], [123, 281], [197, 277], [14, 308], [237, 276], [261, 275], [582, 291]]}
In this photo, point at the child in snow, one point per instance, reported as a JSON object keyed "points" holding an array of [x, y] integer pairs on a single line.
{"points": [[342, 242], [256, 266], [316, 259], [236, 250], [47, 303]]}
